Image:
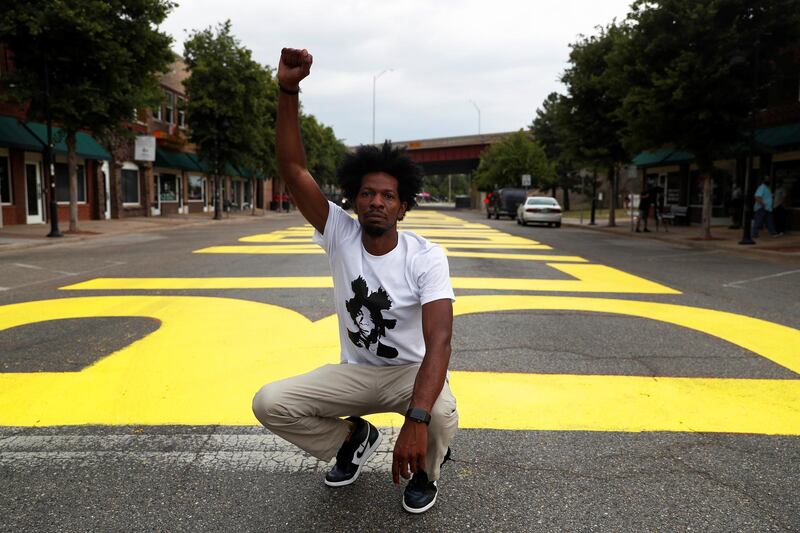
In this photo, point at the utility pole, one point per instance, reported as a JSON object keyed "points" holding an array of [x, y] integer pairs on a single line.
{"points": [[594, 198], [49, 167]]}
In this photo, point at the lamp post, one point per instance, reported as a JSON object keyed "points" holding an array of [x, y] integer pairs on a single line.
{"points": [[374, 83], [49, 168], [749, 182], [478, 109]]}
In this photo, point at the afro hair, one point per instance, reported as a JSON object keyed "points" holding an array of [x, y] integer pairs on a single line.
{"points": [[368, 159]]}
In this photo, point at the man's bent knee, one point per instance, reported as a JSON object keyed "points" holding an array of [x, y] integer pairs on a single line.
{"points": [[267, 407]]}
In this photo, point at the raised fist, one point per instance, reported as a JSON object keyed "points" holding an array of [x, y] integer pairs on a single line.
{"points": [[293, 67]]}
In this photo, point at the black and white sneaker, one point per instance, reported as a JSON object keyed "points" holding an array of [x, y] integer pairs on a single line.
{"points": [[354, 453], [420, 494]]}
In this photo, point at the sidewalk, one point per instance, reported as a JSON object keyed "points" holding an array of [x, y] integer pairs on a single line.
{"points": [[35, 235], [783, 247]]}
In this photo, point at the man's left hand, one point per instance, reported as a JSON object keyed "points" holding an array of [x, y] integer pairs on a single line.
{"points": [[410, 450]]}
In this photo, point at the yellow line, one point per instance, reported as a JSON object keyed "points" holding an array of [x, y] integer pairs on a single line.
{"points": [[518, 257], [210, 355], [494, 246], [589, 278], [276, 249]]}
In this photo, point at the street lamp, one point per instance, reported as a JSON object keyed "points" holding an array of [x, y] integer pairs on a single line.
{"points": [[374, 82], [478, 109]]}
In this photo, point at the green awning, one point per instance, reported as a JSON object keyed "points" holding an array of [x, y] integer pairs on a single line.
{"points": [[231, 170], [786, 135], [199, 163], [228, 170], [247, 173], [179, 160], [661, 157], [85, 145], [14, 135]]}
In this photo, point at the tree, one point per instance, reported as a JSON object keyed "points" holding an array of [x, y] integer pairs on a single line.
{"points": [[84, 64], [231, 104], [504, 163], [550, 130], [689, 71], [592, 105], [324, 151]]}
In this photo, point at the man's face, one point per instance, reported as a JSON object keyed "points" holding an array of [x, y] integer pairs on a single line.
{"points": [[378, 204]]}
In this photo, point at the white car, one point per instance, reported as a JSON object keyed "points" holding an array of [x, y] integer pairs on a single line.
{"points": [[541, 210]]}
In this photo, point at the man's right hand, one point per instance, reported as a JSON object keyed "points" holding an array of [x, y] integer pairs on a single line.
{"points": [[293, 67]]}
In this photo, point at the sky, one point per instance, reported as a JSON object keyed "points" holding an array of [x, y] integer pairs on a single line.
{"points": [[452, 67]]}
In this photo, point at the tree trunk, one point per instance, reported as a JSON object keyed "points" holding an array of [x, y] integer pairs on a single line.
{"points": [[72, 170], [217, 199], [115, 186], [566, 198], [253, 195], [100, 179], [708, 187], [612, 204]]}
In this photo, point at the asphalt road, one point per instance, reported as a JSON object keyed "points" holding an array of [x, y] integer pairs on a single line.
{"points": [[85, 457]]}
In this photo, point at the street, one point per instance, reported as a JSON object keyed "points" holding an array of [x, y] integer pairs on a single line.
{"points": [[603, 383]]}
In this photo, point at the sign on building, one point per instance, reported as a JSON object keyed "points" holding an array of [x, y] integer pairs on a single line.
{"points": [[145, 148], [526, 180]]}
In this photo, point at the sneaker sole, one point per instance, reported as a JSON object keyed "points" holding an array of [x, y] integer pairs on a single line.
{"points": [[420, 510], [364, 458]]}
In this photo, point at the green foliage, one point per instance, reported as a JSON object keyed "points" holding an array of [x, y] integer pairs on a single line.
{"points": [[551, 130], [504, 163], [231, 101], [101, 57], [324, 151], [440, 185], [689, 70], [590, 123]]}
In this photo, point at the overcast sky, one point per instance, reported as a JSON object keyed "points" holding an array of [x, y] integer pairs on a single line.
{"points": [[505, 56]]}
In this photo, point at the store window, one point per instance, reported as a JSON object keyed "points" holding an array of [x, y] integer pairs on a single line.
{"points": [[5, 180], [62, 183], [130, 184], [181, 111], [169, 188], [195, 188], [788, 174], [169, 107]]}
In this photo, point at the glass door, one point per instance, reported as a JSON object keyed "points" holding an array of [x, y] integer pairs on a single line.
{"points": [[33, 193]]}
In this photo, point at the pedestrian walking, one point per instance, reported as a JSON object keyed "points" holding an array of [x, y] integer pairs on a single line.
{"points": [[644, 210], [763, 210], [393, 298]]}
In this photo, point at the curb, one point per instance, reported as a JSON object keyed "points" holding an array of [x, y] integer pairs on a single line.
{"points": [[129, 226], [748, 250]]}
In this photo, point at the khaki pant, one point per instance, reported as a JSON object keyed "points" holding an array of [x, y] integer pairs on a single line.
{"points": [[305, 410]]}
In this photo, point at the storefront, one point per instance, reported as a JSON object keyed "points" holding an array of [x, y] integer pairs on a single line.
{"points": [[23, 190], [171, 184]]}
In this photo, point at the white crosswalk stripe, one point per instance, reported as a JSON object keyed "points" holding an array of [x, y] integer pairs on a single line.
{"points": [[229, 451]]}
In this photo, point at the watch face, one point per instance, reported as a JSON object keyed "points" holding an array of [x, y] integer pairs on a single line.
{"points": [[419, 415]]}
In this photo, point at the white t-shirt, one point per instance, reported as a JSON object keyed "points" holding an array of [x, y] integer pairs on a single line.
{"points": [[379, 299]]}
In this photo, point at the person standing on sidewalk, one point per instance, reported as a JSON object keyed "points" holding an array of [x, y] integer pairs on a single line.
{"points": [[394, 301], [762, 210], [644, 209]]}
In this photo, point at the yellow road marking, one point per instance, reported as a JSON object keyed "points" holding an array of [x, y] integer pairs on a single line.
{"points": [[589, 278], [517, 257], [275, 250], [209, 356]]}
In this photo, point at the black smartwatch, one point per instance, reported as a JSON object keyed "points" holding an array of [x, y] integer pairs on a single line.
{"points": [[418, 414]]}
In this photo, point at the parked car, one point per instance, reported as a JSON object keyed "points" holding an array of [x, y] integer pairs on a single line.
{"points": [[504, 202], [541, 210]]}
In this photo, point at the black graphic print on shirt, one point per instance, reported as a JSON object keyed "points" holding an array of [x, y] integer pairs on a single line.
{"points": [[366, 309]]}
